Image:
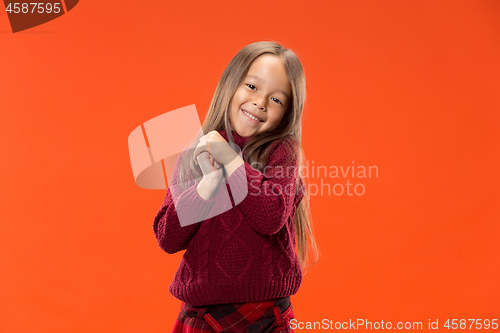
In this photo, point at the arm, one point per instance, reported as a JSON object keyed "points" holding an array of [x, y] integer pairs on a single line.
{"points": [[170, 235], [206, 188], [188, 207], [267, 199]]}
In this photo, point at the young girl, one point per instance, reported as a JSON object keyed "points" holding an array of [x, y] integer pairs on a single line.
{"points": [[240, 266]]}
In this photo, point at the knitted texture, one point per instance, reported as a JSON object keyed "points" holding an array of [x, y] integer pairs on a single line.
{"points": [[246, 253]]}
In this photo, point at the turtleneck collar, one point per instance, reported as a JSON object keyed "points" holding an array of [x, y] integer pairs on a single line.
{"points": [[239, 140]]}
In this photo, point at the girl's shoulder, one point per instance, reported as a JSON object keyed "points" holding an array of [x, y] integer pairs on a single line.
{"points": [[288, 143], [286, 147]]}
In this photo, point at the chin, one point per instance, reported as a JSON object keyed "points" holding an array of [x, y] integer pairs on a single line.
{"points": [[244, 134]]}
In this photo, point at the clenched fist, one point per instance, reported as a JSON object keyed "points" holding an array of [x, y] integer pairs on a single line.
{"points": [[218, 148], [211, 169]]}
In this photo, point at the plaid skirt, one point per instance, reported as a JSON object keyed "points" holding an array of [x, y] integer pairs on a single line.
{"points": [[252, 317]]}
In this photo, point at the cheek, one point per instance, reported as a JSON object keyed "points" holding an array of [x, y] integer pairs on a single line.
{"points": [[278, 117], [233, 110], [238, 95], [234, 105]]}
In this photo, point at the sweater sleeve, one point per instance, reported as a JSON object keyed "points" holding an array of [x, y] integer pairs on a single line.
{"points": [[268, 198], [178, 219]]}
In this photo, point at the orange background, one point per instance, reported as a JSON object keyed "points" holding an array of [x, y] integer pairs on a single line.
{"points": [[409, 86]]}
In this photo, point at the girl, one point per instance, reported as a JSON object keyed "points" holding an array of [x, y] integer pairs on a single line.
{"points": [[240, 266]]}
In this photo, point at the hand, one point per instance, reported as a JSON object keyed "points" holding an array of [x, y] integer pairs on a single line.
{"points": [[210, 168], [217, 147]]}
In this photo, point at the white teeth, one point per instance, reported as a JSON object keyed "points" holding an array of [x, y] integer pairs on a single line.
{"points": [[248, 114]]}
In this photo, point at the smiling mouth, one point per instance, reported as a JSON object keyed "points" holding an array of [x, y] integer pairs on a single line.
{"points": [[251, 117]]}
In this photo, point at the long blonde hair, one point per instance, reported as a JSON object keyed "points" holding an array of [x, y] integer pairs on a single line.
{"points": [[257, 148]]}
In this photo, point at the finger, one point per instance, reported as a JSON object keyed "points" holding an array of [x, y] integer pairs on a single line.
{"points": [[204, 162], [212, 162], [202, 146], [209, 151], [198, 150]]}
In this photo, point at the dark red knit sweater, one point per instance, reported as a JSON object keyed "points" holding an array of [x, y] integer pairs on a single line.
{"points": [[247, 253]]}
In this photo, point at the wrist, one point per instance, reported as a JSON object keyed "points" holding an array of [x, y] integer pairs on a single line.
{"points": [[205, 188], [211, 179], [230, 158], [233, 165]]}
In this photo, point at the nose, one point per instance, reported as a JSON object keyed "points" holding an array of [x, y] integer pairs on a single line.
{"points": [[259, 104]]}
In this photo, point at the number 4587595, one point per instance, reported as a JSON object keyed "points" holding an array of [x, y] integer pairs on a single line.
{"points": [[479, 323], [41, 8]]}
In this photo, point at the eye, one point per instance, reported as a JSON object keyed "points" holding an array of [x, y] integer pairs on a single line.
{"points": [[277, 100], [251, 86]]}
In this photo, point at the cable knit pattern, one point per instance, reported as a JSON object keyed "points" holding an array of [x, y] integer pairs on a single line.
{"points": [[245, 253], [203, 259]]}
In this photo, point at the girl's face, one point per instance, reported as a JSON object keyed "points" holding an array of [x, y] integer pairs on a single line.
{"points": [[265, 94]]}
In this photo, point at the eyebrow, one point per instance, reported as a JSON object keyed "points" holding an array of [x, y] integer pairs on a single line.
{"points": [[260, 79]]}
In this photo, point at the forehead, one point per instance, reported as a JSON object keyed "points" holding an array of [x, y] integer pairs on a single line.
{"points": [[270, 70]]}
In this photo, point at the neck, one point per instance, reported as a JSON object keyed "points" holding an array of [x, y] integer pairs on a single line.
{"points": [[238, 139]]}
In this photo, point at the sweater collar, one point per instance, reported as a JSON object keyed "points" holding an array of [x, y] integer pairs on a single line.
{"points": [[239, 140]]}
